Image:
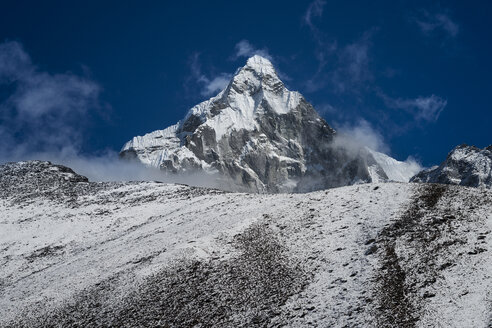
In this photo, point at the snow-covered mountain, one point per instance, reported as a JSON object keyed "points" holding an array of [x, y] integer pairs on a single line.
{"points": [[395, 170], [465, 165], [261, 137], [144, 254]]}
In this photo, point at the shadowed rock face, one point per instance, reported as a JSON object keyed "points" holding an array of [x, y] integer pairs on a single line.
{"points": [[465, 165], [260, 136]]}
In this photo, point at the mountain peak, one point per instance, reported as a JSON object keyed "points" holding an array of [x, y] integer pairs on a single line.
{"points": [[261, 65], [258, 74], [258, 136], [465, 165]]}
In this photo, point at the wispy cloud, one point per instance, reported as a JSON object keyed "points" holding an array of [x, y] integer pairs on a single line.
{"points": [[357, 59], [213, 83], [362, 133], [216, 84], [340, 66], [351, 73], [353, 65], [209, 85], [353, 136], [425, 109], [349, 67], [315, 9], [39, 110], [44, 115], [327, 110], [245, 49], [437, 22], [107, 166], [325, 48]]}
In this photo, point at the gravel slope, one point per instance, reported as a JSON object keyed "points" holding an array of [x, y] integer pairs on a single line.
{"points": [[82, 254]]}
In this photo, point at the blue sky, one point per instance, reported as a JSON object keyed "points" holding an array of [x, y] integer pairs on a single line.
{"points": [[411, 78]]}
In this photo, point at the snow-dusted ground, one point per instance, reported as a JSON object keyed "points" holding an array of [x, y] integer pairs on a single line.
{"points": [[151, 254]]}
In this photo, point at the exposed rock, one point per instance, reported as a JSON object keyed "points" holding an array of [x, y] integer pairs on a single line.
{"points": [[465, 166], [261, 137], [130, 254]]}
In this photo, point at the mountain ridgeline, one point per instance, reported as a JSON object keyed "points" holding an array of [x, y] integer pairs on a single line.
{"points": [[465, 166], [258, 136]]}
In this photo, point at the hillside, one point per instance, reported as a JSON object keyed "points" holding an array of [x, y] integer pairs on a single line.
{"points": [[84, 254]]}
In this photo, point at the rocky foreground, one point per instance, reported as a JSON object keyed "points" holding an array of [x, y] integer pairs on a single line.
{"points": [[75, 253]]}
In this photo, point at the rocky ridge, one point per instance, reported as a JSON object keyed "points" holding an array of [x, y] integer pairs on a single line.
{"points": [[465, 166]]}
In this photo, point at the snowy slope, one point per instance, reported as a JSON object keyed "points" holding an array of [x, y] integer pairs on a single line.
{"points": [[261, 137], [465, 165], [151, 254]]}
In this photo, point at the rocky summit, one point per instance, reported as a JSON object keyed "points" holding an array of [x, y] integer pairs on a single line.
{"points": [[465, 165], [260, 137]]}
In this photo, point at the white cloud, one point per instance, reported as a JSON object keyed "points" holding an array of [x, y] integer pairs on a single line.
{"points": [[107, 166], [209, 86], [423, 108], [41, 111], [42, 94], [245, 49], [15, 63], [430, 23], [362, 134], [216, 84], [353, 137], [43, 115]]}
